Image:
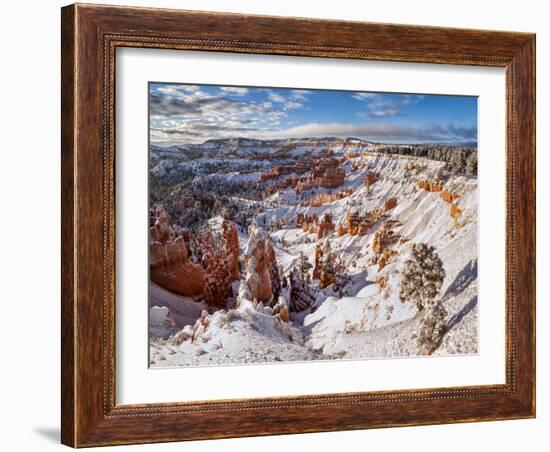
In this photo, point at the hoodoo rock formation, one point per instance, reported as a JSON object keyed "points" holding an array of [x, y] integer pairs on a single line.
{"points": [[171, 267], [384, 241], [449, 197], [328, 173], [311, 224], [360, 224], [370, 178], [230, 247], [326, 226], [222, 265], [260, 260], [455, 214], [327, 198], [390, 204], [433, 187]]}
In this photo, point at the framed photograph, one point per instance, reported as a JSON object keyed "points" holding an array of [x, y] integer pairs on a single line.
{"points": [[281, 225]]}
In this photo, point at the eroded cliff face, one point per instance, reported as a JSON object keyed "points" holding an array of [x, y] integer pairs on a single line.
{"points": [[171, 267]]}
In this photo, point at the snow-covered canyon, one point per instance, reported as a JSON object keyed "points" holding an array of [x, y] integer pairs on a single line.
{"points": [[342, 200]]}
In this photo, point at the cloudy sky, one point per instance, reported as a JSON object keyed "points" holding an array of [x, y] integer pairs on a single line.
{"points": [[182, 114]]}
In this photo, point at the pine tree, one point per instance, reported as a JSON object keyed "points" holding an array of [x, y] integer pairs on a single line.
{"points": [[471, 164], [421, 281], [304, 267]]}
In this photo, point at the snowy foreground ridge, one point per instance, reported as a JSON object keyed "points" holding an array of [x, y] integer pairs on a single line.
{"points": [[355, 316]]}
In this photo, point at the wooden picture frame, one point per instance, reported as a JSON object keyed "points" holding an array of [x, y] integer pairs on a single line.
{"points": [[90, 36]]}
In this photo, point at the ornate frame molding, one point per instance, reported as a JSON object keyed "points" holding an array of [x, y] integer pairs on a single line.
{"points": [[90, 37]]}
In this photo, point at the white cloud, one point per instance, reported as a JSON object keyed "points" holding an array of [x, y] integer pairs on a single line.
{"points": [[385, 105], [235, 90], [276, 97]]}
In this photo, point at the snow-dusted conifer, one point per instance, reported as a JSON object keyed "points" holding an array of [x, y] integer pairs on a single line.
{"points": [[421, 280], [300, 295], [304, 267]]}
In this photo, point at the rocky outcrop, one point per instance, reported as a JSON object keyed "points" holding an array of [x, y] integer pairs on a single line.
{"points": [[308, 223], [327, 267], [230, 247], [262, 282], [326, 198], [170, 266], [360, 224], [385, 236], [326, 226], [222, 265], [311, 224], [370, 178], [328, 173], [449, 197], [389, 204], [300, 295], [384, 243], [281, 309], [430, 186], [341, 230], [209, 277], [333, 177], [455, 214]]}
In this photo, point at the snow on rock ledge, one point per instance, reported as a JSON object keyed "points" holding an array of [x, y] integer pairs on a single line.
{"points": [[251, 333]]}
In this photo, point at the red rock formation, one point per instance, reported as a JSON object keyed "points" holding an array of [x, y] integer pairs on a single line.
{"points": [[277, 171], [382, 282], [230, 247], [384, 241], [449, 197], [300, 295], [333, 177], [169, 262], [430, 186], [325, 198], [370, 178], [281, 309], [455, 214], [326, 226], [385, 257], [385, 236], [360, 225], [260, 259], [390, 204], [326, 268], [170, 267], [341, 230], [328, 173], [311, 224], [353, 155]]}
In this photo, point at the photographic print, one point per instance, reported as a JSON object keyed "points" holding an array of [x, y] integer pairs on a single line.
{"points": [[296, 225]]}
